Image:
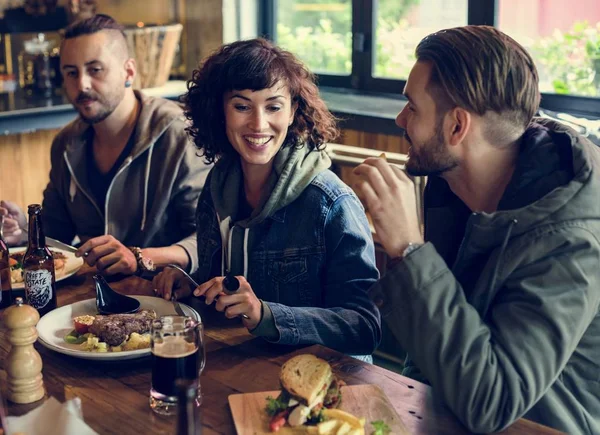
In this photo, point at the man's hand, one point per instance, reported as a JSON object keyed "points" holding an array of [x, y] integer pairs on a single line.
{"points": [[171, 282], [389, 196], [14, 220], [243, 301], [108, 255]]}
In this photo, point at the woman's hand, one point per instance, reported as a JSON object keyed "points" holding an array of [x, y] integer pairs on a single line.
{"points": [[171, 281], [243, 301]]}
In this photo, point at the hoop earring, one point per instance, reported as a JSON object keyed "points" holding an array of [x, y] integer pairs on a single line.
{"points": [[128, 83]]}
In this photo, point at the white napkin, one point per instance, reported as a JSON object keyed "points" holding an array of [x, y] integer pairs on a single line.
{"points": [[65, 418]]}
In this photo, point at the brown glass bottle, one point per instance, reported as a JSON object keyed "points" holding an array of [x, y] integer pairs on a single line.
{"points": [[5, 286], [38, 266], [188, 420]]}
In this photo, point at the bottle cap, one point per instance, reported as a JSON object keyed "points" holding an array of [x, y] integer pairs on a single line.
{"points": [[34, 208]]}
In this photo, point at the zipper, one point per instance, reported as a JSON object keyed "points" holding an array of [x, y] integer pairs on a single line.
{"points": [[121, 169], [79, 185], [128, 162], [461, 248]]}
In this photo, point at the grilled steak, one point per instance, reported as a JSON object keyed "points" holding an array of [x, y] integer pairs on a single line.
{"points": [[115, 329]]}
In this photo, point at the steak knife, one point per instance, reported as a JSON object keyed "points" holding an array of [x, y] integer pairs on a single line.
{"points": [[58, 244]]}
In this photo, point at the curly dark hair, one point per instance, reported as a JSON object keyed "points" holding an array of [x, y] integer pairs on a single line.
{"points": [[253, 64]]}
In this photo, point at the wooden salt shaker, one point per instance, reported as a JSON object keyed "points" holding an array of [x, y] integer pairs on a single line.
{"points": [[23, 363]]}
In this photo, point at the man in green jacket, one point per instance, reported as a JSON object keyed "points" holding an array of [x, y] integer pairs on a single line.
{"points": [[498, 305]]}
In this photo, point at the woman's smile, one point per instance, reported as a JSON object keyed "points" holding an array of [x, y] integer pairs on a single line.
{"points": [[257, 143]]}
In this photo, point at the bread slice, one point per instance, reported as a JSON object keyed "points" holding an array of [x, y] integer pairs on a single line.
{"points": [[306, 377]]}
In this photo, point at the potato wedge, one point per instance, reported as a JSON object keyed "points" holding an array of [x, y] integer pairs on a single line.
{"points": [[344, 429], [327, 427], [338, 414]]}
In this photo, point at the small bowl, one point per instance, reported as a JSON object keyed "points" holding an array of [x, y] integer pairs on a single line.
{"points": [[109, 301]]}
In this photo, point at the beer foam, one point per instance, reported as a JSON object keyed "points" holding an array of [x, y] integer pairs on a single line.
{"points": [[174, 347]]}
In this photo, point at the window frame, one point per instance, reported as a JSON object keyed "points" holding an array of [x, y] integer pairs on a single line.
{"points": [[363, 29]]}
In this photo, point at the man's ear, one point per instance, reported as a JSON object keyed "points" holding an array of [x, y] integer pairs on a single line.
{"points": [[459, 124], [130, 70]]}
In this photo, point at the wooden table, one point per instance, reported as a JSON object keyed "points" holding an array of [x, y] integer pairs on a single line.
{"points": [[115, 395]]}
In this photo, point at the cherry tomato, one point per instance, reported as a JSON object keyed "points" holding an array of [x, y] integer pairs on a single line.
{"points": [[83, 323], [278, 421]]}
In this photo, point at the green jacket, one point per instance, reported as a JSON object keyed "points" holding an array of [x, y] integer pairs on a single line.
{"points": [[500, 311]]}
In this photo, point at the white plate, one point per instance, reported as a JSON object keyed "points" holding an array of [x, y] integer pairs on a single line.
{"points": [[53, 327], [73, 264]]}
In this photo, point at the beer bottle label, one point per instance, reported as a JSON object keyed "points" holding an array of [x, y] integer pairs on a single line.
{"points": [[38, 287]]}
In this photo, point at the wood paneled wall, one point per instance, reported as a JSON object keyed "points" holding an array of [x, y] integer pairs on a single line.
{"points": [[25, 166], [376, 141]]}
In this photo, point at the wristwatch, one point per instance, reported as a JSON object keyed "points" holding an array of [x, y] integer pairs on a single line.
{"points": [[411, 248], [145, 264]]}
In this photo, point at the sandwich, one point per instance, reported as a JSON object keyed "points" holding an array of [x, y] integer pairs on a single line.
{"points": [[308, 387]]}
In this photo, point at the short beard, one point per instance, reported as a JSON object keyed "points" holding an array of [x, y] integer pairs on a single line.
{"points": [[97, 118], [432, 158], [108, 105]]}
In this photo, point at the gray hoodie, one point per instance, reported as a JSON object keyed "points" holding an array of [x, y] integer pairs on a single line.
{"points": [[152, 199]]}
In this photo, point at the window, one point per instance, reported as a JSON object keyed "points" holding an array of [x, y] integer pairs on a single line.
{"points": [[319, 32], [402, 24], [368, 45], [564, 41]]}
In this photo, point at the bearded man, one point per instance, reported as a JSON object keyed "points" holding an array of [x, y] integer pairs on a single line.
{"points": [[125, 179], [497, 305]]}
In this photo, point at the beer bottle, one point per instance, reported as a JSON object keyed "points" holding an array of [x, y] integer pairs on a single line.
{"points": [[38, 266], [188, 422], [5, 287]]}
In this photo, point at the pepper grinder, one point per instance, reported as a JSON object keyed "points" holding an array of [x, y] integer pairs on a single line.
{"points": [[23, 363]]}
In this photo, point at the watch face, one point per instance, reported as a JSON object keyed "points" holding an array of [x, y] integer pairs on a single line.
{"points": [[147, 263]]}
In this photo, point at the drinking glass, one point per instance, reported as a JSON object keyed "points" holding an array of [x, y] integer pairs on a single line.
{"points": [[177, 345]]}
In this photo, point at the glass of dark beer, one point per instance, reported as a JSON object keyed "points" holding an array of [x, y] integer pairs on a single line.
{"points": [[177, 345]]}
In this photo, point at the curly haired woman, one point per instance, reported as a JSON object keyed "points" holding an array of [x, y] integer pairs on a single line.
{"points": [[272, 213]]}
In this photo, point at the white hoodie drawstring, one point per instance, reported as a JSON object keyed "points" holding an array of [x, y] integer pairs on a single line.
{"points": [[146, 181], [72, 189], [229, 249], [246, 232], [224, 230]]}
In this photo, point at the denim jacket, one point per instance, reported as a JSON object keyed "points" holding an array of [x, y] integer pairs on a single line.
{"points": [[312, 262]]}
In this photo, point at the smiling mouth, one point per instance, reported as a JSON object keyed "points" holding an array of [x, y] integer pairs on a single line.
{"points": [[258, 141]]}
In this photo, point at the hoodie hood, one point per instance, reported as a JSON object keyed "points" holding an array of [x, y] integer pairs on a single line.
{"points": [[293, 170], [552, 184], [554, 169]]}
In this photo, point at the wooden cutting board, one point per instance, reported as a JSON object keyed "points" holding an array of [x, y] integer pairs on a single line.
{"points": [[366, 401]]}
